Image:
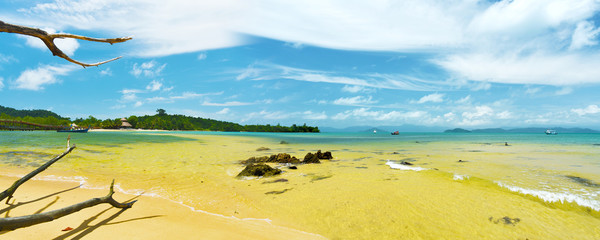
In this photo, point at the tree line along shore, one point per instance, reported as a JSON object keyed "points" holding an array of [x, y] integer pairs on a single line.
{"points": [[160, 121]]}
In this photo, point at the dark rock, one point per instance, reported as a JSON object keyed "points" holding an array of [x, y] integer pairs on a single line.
{"points": [[326, 155], [283, 158], [405, 163], [278, 192], [263, 149], [311, 158], [277, 180], [460, 160], [258, 170], [583, 181], [506, 220], [253, 160], [284, 142], [293, 167]]}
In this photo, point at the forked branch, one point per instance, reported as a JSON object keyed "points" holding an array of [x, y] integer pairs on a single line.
{"points": [[26, 221], [48, 39]]}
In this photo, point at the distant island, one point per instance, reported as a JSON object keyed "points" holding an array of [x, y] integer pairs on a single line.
{"points": [[160, 121], [522, 130]]}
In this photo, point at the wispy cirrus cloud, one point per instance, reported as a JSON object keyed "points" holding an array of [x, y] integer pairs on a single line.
{"points": [[354, 101], [268, 71]]}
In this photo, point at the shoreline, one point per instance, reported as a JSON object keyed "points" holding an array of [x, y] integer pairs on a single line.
{"points": [[149, 218]]}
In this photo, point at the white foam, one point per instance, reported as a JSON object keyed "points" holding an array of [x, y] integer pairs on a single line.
{"points": [[458, 177], [555, 197], [394, 165]]}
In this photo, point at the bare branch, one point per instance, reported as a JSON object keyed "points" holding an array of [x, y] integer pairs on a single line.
{"points": [[30, 220], [9, 192], [48, 39]]}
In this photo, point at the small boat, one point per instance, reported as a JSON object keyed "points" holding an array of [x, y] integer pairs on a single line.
{"points": [[74, 129], [396, 133], [550, 132], [374, 131], [84, 130]]}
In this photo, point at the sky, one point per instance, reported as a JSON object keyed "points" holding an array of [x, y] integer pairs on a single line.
{"points": [[338, 63]]}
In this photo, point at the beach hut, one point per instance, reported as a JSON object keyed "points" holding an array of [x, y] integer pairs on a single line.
{"points": [[125, 124]]}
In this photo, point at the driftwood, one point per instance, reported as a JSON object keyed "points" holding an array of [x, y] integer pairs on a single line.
{"points": [[12, 223], [48, 39], [26, 221], [9, 192]]}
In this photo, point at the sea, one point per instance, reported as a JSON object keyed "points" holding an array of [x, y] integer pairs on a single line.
{"points": [[377, 186]]}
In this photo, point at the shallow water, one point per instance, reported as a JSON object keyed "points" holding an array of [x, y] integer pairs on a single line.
{"points": [[538, 187]]}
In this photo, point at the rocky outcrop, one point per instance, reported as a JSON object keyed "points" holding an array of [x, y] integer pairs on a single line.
{"points": [[286, 158], [259, 170], [326, 155], [311, 158]]}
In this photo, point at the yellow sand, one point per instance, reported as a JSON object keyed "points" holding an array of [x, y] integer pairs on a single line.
{"points": [[149, 218]]}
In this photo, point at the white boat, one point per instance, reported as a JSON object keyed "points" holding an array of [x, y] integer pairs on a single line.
{"points": [[550, 132]]}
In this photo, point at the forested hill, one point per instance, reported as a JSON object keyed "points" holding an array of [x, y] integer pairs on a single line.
{"points": [[31, 113], [161, 121]]}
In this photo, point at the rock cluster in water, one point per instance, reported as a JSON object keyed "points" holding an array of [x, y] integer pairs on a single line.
{"points": [[287, 158], [255, 166]]}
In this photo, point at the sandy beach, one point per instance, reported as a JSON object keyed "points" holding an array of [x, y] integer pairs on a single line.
{"points": [[149, 218]]}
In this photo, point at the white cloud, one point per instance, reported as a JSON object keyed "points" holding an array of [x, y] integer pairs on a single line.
{"points": [[314, 116], [434, 97], [106, 72], [224, 111], [354, 101], [202, 56], [508, 41], [7, 59], [449, 117], [356, 89], [147, 69], [539, 68], [277, 115], [584, 35], [482, 115], [379, 25], [35, 79], [590, 109], [365, 115], [564, 91], [464, 100], [266, 71], [226, 104], [1, 83], [154, 86], [532, 91]]}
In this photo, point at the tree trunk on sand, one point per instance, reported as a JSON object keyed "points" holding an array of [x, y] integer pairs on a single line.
{"points": [[26, 221]]}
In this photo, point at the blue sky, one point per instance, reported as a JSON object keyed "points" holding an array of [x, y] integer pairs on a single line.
{"points": [[470, 64]]}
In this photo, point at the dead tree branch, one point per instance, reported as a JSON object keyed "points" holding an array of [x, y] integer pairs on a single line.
{"points": [[48, 39], [9, 192], [30, 220]]}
